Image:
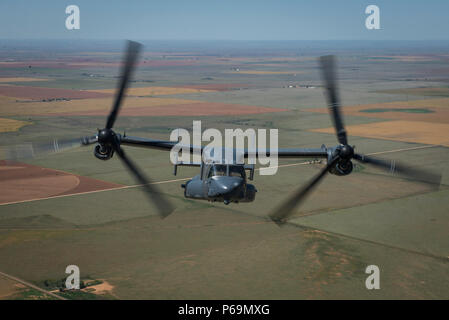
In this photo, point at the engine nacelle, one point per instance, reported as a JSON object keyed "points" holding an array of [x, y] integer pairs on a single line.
{"points": [[342, 168], [103, 152]]}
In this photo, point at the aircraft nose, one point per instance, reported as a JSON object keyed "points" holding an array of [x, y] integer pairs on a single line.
{"points": [[224, 185]]}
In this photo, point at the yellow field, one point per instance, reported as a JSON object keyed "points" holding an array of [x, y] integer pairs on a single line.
{"points": [[407, 131], [9, 125], [154, 91], [9, 106], [19, 79], [7, 100]]}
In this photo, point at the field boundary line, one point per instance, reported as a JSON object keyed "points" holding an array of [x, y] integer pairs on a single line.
{"points": [[184, 179]]}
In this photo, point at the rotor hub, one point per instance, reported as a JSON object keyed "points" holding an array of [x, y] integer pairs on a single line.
{"points": [[106, 136], [346, 152]]}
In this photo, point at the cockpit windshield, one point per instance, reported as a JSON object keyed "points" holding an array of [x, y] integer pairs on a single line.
{"points": [[221, 170], [218, 170], [237, 171]]}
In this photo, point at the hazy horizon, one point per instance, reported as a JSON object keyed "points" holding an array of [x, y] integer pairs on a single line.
{"points": [[232, 48], [283, 20]]}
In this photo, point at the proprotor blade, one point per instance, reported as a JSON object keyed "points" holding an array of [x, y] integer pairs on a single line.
{"points": [[392, 166], [128, 67], [286, 209], [163, 206], [329, 77]]}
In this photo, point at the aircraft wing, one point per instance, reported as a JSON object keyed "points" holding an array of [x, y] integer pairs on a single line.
{"points": [[295, 153], [147, 143], [168, 145]]}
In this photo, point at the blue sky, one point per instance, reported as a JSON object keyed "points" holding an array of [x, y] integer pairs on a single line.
{"points": [[226, 20]]}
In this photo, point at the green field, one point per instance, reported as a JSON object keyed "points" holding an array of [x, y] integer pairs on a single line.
{"points": [[213, 251]]}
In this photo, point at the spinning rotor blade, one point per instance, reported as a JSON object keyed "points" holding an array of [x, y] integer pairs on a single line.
{"points": [[328, 72], [130, 60], [163, 206], [107, 136], [344, 152], [35, 149], [285, 210], [404, 170]]}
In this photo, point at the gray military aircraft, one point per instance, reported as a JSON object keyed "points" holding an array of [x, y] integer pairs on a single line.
{"points": [[228, 182]]}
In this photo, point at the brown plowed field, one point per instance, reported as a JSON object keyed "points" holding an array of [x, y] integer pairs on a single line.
{"points": [[188, 109], [166, 63], [39, 93], [154, 91], [10, 106], [21, 182], [216, 86]]}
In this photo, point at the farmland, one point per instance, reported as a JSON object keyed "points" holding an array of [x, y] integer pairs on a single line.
{"points": [[71, 208]]}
